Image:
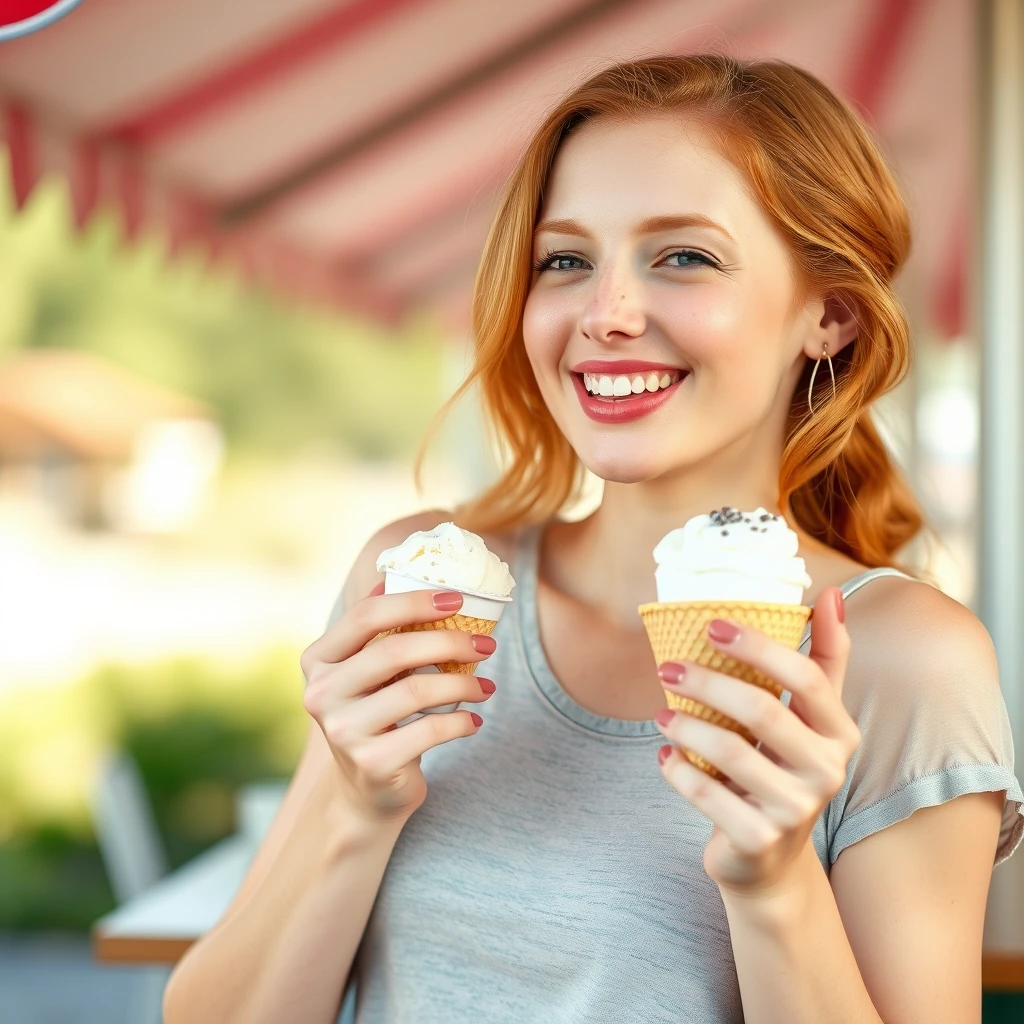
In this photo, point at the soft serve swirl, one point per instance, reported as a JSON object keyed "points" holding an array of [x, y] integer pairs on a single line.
{"points": [[731, 555], [451, 557]]}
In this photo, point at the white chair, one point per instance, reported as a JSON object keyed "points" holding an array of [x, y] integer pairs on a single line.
{"points": [[134, 858]]}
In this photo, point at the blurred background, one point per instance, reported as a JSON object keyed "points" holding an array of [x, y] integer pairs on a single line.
{"points": [[237, 246]]}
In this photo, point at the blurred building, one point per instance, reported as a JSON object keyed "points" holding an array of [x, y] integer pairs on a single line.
{"points": [[101, 447]]}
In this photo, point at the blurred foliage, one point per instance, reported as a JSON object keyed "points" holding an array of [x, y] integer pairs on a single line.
{"points": [[197, 731], [280, 375]]}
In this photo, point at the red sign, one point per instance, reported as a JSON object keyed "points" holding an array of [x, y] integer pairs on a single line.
{"points": [[20, 17]]}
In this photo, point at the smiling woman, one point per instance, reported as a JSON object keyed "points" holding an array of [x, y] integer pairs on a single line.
{"points": [[685, 239]]}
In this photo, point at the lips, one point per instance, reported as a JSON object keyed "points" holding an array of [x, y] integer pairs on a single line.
{"points": [[628, 407]]}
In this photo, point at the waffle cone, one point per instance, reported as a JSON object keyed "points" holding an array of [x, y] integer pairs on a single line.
{"points": [[465, 623], [677, 630]]}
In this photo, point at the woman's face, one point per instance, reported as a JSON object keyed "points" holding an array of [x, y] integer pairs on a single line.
{"points": [[663, 268]]}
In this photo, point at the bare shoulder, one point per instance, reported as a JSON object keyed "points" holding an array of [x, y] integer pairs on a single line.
{"points": [[910, 632]]}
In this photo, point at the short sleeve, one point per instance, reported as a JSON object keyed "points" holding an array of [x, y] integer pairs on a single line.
{"points": [[928, 735]]}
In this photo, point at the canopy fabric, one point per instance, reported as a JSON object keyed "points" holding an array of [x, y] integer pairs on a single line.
{"points": [[352, 152]]}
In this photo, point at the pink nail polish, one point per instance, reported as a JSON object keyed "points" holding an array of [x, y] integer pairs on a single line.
{"points": [[840, 606], [664, 716], [671, 672], [722, 631], [447, 601], [663, 753], [483, 644]]}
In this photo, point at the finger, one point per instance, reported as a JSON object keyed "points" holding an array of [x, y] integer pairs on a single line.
{"points": [[377, 590], [819, 705], [747, 827], [830, 641], [760, 712], [388, 658], [380, 757], [376, 613], [390, 704], [783, 796]]}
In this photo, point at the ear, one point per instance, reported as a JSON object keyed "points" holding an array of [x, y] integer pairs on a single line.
{"points": [[837, 327]]}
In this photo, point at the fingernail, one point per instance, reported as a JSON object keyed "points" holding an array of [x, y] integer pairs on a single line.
{"points": [[447, 601], [671, 672], [664, 716], [486, 685], [722, 631], [483, 644], [477, 720], [663, 753], [840, 606]]}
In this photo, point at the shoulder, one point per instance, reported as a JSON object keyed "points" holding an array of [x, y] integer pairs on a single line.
{"points": [[908, 634]]}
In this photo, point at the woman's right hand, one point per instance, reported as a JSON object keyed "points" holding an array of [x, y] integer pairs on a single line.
{"points": [[349, 696]]}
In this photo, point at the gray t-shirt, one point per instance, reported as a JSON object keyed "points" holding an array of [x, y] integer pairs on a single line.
{"points": [[552, 875]]}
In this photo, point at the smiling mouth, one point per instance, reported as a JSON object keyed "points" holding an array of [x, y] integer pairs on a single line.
{"points": [[623, 387]]}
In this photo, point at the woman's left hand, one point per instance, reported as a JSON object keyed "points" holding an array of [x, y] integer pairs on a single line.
{"points": [[764, 815]]}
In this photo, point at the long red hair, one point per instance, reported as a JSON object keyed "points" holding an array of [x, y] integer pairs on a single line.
{"points": [[821, 178]]}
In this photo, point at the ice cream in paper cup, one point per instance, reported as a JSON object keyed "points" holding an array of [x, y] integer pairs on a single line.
{"points": [[733, 565], [449, 558]]}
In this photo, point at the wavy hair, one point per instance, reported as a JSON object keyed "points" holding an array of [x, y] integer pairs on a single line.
{"points": [[824, 183]]}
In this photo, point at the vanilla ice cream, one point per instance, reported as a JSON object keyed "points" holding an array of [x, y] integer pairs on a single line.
{"points": [[448, 556], [731, 555]]}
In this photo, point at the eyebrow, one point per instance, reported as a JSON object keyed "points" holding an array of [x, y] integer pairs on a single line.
{"points": [[668, 222]]}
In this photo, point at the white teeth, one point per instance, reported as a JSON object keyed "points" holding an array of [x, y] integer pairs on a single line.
{"points": [[620, 386]]}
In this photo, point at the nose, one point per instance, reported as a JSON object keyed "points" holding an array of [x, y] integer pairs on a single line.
{"points": [[613, 309]]}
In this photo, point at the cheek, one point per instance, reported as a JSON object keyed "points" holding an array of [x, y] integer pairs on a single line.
{"points": [[708, 324], [547, 327], [726, 331]]}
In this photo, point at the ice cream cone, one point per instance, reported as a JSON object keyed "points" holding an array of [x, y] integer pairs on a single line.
{"points": [[466, 623], [677, 630]]}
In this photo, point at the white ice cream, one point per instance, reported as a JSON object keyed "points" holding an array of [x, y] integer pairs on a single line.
{"points": [[449, 556], [731, 555]]}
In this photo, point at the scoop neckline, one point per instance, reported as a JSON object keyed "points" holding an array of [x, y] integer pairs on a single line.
{"points": [[527, 561]]}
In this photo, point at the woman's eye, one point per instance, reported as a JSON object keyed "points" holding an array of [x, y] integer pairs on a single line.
{"points": [[565, 261], [691, 259], [556, 261]]}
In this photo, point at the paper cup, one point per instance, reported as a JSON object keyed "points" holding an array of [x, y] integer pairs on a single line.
{"points": [[479, 614]]}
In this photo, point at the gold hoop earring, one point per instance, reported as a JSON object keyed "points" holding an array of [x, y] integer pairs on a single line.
{"points": [[810, 387]]}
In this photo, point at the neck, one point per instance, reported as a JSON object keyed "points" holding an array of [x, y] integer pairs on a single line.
{"points": [[606, 560]]}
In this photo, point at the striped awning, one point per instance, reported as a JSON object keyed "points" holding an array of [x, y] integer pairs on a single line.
{"points": [[352, 152]]}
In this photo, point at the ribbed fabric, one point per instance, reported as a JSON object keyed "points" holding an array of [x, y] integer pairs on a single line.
{"points": [[553, 876]]}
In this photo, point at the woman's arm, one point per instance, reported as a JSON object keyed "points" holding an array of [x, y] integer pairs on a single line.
{"points": [[895, 938], [897, 935], [285, 948]]}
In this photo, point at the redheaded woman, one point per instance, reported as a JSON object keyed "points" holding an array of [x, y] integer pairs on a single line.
{"points": [[726, 226]]}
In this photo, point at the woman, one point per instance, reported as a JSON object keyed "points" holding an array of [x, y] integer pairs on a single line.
{"points": [[728, 226]]}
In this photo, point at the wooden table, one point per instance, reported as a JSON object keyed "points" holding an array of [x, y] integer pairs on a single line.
{"points": [[159, 925]]}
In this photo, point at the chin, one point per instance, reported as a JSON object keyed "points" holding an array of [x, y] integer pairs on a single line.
{"points": [[624, 469]]}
